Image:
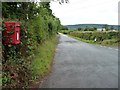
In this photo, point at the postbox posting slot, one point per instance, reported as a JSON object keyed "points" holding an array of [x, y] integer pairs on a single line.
{"points": [[17, 35]]}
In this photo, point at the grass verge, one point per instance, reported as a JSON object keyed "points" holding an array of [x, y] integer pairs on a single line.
{"points": [[41, 65]]}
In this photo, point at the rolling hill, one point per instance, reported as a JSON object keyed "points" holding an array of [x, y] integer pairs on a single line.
{"points": [[90, 25]]}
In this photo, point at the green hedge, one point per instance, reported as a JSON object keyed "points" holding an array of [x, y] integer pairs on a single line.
{"points": [[41, 26], [108, 37], [100, 36]]}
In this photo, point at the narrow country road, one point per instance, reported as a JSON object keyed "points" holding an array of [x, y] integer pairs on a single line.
{"points": [[82, 65]]}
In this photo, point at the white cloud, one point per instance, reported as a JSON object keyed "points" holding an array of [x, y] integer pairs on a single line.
{"points": [[87, 11]]}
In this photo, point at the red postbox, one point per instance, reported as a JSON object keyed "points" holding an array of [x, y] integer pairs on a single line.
{"points": [[11, 33]]}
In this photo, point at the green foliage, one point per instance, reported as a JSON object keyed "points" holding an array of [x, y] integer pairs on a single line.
{"points": [[64, 27], [66, 31], [87, 29], [110, 42], [41, 66], [107, 27], [80, 29], [38, 24], [109, 38], [5, 79]]}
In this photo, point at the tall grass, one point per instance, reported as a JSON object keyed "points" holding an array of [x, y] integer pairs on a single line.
{"points": [[41, 64]]}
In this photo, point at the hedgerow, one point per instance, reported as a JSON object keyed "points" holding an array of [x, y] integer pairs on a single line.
{"points": [[37, 25], [101, 37]]}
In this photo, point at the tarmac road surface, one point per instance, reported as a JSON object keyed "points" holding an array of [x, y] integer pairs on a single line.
{"points": [[82, 65]]}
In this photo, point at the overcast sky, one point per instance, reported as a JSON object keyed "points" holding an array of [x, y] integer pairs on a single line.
{"points": [[87, 12]]}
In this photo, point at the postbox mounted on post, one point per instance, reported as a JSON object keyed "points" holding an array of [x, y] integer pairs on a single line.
{"points": [[11, 33]]}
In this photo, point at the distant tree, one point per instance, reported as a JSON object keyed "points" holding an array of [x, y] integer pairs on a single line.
{"points": [[111, 28], [90, 28], [106, 27], [95, 28], [64, 27], [86, 28], [79, 29]]}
